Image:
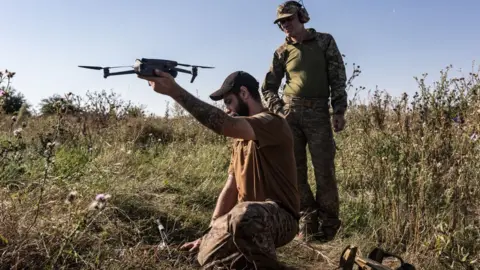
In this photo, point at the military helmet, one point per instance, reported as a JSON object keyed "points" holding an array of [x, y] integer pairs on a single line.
{"points": [[290, 8]]}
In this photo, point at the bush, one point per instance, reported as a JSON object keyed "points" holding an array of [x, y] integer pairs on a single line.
{"points": [[58, 104]]}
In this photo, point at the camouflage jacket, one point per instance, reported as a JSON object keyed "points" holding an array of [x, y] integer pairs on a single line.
{"points": [[333, 85]]}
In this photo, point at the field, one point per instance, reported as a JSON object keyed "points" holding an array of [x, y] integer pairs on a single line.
{"points": [[407, 167]]}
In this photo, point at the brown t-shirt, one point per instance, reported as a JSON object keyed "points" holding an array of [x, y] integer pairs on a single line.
{"points": [[265, 168]]}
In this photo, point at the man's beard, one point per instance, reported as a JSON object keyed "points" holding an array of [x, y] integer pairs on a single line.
{"points": [[242, 109]]}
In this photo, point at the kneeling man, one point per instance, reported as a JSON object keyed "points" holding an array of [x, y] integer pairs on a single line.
{"points": [[258, 208]]}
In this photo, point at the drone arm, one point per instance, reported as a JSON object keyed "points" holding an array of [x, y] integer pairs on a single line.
{"points": [[193, 72], [182, 70], [122, 72]]}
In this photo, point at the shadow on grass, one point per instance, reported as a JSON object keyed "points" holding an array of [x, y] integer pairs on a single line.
{"points": [[146, 212]]}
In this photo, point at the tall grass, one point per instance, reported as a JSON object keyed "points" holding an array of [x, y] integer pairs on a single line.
{"points": [[408, 171]]}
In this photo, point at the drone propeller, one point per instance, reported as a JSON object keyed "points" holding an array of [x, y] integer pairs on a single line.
{"points": [[187, 65], [91, 67], [98, 68]]}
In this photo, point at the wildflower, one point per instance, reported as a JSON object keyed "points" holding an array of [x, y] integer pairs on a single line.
{"points": [[52, 145], [71, 197], [102, 197], [17, 132], [99, 202], [93, 206], [474, 137], [459, 119]]}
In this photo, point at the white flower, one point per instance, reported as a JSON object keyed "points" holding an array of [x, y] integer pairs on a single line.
{"points": [[474, 137], [71, 197], [17, 132]]}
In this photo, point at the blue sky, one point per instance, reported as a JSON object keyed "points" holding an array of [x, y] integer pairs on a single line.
{"points": [[392, 41]]}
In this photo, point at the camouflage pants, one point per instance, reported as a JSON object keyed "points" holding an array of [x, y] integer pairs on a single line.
{"points": [[311, 125], [247, 237]]}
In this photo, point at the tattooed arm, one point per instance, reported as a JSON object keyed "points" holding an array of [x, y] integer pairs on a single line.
{"points": [[210, 116], [214, 118]]}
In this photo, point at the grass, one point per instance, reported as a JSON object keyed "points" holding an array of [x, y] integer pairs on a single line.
{"points": [[408, 177]]}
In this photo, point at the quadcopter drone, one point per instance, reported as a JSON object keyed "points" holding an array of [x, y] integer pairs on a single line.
{"points": [[146, 67]]}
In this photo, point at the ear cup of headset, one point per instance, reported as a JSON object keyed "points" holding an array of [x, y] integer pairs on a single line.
{"points": [[302, 12], [303, 15]]}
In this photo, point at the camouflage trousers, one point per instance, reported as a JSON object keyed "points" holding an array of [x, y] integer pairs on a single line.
{"points": [[247, 237], [310, 122]]}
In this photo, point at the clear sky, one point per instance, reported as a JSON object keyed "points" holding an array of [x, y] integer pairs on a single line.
{"points": [[392, 41]]}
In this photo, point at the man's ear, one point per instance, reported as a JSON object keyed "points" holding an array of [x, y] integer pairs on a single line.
{"points": [[244, 94]]}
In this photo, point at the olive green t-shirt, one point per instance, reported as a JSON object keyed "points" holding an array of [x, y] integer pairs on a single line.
{"points": [[307, 70], [313, 68], [264, 168]]}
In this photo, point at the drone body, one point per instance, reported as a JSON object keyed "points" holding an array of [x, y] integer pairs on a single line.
{"points": [[147, 67]]}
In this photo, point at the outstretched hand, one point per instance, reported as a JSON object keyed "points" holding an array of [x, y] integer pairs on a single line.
{"points": [[162, 83], [192, 246]]}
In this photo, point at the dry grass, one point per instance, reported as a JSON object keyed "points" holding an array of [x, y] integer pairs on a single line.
{"points": [[408, 176]]}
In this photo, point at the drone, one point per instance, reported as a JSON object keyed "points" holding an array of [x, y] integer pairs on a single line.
{"points": [[147, 66]]}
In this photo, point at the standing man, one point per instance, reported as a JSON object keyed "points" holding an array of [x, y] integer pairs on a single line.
{"points": [[258, 208], [315, 73]]}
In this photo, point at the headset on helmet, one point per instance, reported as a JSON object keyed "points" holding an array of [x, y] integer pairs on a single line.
{"points": [[303, 15]]}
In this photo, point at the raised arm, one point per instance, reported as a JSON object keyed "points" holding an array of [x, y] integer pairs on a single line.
{"points": [[214, 118], [209, 115], [272, 82], [337, 77]]}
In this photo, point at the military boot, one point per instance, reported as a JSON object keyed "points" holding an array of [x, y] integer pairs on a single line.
{"points": [[328, 229], [308, 226]]}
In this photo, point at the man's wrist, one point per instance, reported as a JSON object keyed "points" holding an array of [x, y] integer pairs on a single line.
{"points": [[177, 92]]}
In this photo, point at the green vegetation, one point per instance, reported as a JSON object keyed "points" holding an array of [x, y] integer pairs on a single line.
{"points": [[408, 176]]}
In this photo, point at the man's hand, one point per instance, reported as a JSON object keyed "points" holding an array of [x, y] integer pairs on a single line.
{"points": [[192, 246], [163, 84], [338, 122], [281, 112]]}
